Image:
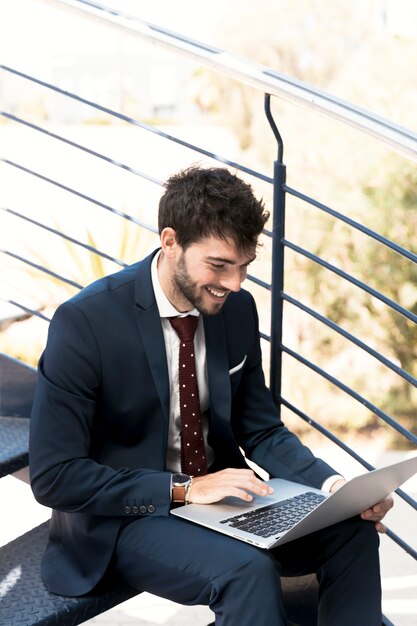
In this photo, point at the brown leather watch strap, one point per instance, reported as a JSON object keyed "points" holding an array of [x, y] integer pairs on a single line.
{"points": [[178, 493]]}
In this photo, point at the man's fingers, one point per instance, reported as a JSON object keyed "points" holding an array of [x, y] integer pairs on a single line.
{"points": [[381, 528], [240, 483], [243, 479], [240, 493], [373, 516], [379, 510]]}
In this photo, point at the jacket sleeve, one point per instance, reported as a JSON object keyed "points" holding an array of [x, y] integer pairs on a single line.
{"points": [[63, 474], [260, 430]]}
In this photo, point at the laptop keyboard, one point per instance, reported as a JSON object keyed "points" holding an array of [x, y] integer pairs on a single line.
{"points": [[276, 518]]}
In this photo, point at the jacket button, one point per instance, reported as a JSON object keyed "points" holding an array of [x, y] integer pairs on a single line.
{"points": [[151, 508], [127, 510], [135, 510], [143, 509]]}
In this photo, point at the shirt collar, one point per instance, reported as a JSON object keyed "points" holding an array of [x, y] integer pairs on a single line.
{"points": [[165, 308]]}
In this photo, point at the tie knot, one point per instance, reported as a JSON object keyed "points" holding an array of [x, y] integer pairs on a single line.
{"points": [[185, 327]]}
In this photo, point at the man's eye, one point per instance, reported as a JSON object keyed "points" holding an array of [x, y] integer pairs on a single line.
{"points": [[215, 266]]}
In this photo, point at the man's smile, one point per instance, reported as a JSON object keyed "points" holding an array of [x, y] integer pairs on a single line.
{"points": [[217, 293]]}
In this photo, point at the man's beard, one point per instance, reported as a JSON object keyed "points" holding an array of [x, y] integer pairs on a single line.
{"points": [[187, 288]]}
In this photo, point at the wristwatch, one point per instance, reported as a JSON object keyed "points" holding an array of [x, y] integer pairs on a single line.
{"points": [[180, 485]]}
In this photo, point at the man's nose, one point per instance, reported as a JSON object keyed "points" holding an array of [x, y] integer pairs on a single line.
{"points": [[233, 282]]}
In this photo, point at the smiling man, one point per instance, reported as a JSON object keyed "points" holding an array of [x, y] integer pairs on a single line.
{"points": [[151, 394]]}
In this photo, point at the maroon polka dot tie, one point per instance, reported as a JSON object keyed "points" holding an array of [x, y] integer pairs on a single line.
{"points": [[193, 454]]}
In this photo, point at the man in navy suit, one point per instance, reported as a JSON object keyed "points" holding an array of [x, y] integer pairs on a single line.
{"points": [[107, 436]]}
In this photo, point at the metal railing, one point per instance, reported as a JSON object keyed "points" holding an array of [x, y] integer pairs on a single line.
{"points": [[272, 84]]}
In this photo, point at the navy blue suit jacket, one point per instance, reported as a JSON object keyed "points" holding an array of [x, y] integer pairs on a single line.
{"points": [[100, 418]]}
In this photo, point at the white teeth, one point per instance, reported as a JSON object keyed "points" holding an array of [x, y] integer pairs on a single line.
{"points": [[218, 294]]}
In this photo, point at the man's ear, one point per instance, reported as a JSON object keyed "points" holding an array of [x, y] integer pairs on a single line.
{"points": [[169, 243]]}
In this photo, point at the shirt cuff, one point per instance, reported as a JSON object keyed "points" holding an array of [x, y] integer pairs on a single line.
{"points": [[329, 482]]}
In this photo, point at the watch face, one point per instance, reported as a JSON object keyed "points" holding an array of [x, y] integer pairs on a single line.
{"points": [[180, 479]]}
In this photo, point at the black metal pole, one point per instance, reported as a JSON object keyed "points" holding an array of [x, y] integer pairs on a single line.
{"points": [[278, 234]]}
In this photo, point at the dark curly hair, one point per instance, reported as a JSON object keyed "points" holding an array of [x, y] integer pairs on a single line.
{"points": [[200, 202]]}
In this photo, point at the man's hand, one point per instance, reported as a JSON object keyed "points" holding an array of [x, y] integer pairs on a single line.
{"points": [[374, 514], [241, 483], [377, 512]]}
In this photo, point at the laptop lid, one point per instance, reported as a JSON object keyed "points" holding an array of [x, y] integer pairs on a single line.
{"points": [[352, 498]]}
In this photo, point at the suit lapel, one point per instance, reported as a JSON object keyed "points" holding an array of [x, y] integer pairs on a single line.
{"points": [[217, 366], [150, 329]]}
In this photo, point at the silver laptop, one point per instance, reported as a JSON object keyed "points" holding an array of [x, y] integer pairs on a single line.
{"points": [[295, 510]]}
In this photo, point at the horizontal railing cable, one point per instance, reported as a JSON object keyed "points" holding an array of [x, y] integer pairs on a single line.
{"points": [[110, 160], [254, 74], [139, 124], [369, 405], [259, 281], [107, 207], [373, 292], [62, 235], [126, 216], [325, 320], [357, 225], [329, 435], [264, 336], [41, 268], [401, 543], [26, 309]]}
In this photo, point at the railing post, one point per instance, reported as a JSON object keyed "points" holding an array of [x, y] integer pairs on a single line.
{"points": [[277, 286]]}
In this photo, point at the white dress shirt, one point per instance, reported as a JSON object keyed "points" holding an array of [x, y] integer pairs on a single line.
{"points": [[172, 346]]}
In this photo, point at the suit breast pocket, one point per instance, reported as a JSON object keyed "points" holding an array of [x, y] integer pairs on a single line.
{"points": [[238, 367], [235, 375]]}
